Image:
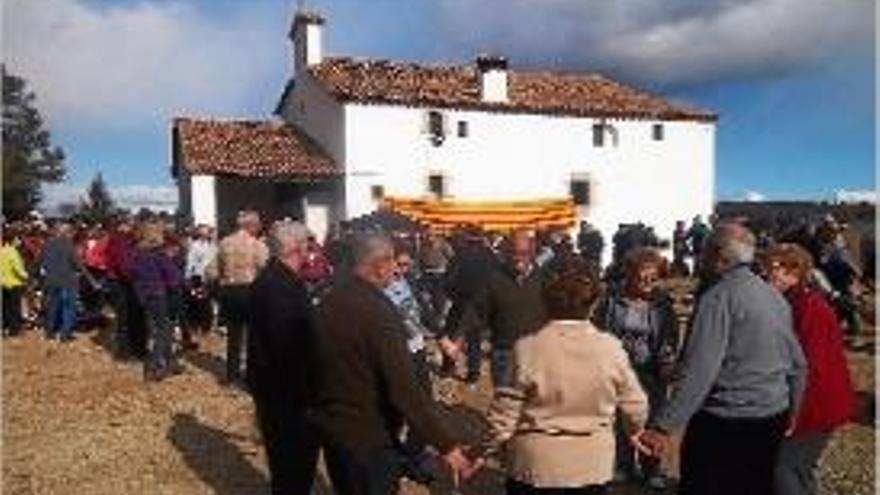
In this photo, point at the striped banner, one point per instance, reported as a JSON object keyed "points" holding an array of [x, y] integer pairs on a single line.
{"points": [[496, 216]]}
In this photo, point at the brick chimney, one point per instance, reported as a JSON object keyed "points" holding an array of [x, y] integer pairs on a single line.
{"points": [[305, 33], [493, 78]]}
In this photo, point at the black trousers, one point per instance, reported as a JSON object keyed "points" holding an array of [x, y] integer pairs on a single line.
{"points": [[119, 303], [363, 473], [725, 456], [12, 318], [198, 309], [414, 445], [292, 446], [134, 332], [234, 307], [517, 488], [461, 321]]}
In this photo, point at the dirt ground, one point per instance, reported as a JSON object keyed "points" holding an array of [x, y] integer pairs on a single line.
{"points": [[76, 422]]}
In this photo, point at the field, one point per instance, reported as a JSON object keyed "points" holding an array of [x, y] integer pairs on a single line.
{"points": [[76, 422]]}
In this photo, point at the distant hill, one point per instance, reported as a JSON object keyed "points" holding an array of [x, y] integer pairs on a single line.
{"points": [[773, 213]]}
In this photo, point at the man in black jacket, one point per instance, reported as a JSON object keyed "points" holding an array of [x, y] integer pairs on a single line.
{"points": [[368, 387], [468, 273], [511, 303], [281, 370]]}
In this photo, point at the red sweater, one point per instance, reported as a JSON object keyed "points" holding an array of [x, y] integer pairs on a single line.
{"points": [[829, 400]]}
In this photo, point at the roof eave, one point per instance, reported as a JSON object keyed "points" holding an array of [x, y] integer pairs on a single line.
{"points": [[520, 109]]}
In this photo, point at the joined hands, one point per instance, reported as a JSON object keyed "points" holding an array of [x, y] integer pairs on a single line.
{"points": [[463, 466]]}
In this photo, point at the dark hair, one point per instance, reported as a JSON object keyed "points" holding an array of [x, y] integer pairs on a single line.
{"points": [[573, 289], [641, 257]]}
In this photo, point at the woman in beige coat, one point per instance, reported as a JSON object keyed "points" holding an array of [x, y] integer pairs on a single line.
{"points": [[556, 423]]}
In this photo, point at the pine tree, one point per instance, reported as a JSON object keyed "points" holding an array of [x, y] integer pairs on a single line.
{"points": [[98, 205], [29, 158]]}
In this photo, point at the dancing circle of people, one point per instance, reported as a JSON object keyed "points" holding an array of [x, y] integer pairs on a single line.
{"points": [[592, 372]]}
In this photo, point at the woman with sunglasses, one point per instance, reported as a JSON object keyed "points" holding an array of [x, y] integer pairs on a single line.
{"points": [[641, 315]]}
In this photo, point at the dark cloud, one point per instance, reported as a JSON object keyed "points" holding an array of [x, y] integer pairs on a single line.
{"points": [[670, 43]]}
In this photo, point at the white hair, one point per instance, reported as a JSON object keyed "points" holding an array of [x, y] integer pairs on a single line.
{"points": [[285, 235], [366, 244], [735, 244]]}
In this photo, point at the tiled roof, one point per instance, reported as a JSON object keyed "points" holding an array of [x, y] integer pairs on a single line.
{"points": [[584, 94], [248, 149]]}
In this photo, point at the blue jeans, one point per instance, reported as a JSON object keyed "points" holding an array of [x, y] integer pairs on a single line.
{"points": [[161, 334], [60, 312], [798, 462], [502, 367], [474, 354]]}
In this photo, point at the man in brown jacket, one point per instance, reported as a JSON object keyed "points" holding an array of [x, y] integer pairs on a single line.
{"points": [[368, 387]]}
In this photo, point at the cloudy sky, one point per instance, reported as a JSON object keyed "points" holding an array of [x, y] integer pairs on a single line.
{"points": [[793, 80]]}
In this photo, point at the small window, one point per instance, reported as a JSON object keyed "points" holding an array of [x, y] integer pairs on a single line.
{"points": [[436, 127], [580, 192], [462, 129], [657, 132], [437, 185], [598, 135], [377, 192]]}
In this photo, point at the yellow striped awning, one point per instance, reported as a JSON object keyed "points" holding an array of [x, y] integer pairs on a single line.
{"points": [[496, 216]]}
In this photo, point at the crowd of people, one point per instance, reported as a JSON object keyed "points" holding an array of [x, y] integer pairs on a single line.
{"points": [[592, 370]]}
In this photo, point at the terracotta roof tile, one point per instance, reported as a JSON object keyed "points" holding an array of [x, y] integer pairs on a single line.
{"points": [[382, 81], [248, 149]]}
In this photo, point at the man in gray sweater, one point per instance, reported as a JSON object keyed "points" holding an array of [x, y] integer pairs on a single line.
{"points": [[741, 378], [60, 266]]}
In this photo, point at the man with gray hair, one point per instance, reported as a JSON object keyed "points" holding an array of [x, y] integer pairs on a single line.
{"points": [[368, 389], [742, 375], [281, 371]]}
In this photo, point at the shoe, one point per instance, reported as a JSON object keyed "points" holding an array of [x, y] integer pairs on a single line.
{"points": [[418, 470], [153, 375], [233, 382], [175, 369], [657, 482]]}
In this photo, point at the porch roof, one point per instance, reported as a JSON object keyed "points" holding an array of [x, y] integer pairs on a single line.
{"points": [[248, 148]]}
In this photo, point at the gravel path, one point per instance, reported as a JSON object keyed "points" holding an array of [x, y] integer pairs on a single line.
{"points": [[76, 422]]}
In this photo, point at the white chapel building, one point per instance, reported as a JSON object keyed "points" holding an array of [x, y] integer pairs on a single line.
{"points": [[477, 142]]}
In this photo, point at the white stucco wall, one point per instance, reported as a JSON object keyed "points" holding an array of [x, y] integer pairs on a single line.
{"points": [[310, 108], [308, 48], [203, 199], [510, 156]]}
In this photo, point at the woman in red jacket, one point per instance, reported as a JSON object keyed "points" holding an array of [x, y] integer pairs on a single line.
{"points": [[829, 400]]}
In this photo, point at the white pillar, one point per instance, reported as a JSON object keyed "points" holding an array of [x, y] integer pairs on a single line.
{"points": [[203, 191]]}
